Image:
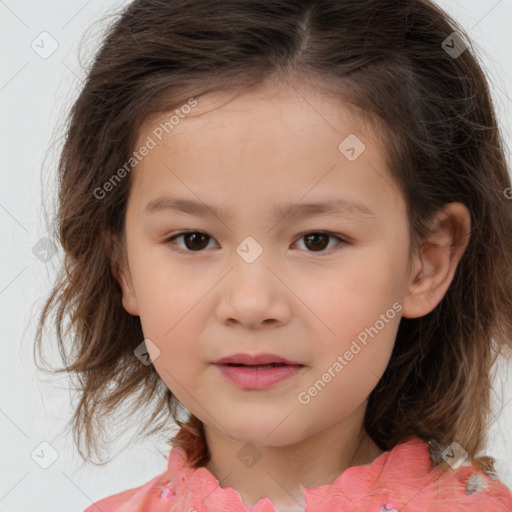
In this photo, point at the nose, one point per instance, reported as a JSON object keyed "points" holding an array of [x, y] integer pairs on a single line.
{"points": [[253, 295]]}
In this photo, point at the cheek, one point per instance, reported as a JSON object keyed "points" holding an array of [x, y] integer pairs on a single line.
{"points": [[167, 294], [180, 360], [359, 323], [348, 372], [352, 296], [171, 310]]}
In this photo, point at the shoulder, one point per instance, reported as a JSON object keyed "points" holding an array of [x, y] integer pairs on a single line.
{"points": [[476, 489], [404, 478], [466, 489], [145, 498], [170, 489], [423, 487]]}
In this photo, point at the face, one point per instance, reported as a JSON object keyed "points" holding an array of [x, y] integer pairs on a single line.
{"points": [[320, 288]]}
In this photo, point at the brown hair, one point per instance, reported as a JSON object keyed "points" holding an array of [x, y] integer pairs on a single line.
{"points": [[437, 123]]}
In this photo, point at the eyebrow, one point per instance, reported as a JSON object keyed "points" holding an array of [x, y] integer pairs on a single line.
{"points": [[332, 206]]}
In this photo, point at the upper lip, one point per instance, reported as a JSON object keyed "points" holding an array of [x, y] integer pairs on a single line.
{"points": [[249, 359]]}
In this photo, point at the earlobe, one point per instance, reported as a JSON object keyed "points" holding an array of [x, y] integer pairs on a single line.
{"points": [[121, 272], [129, 298], [436, 260]]}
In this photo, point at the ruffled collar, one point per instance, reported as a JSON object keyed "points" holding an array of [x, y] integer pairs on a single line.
{"points": [[408, 466]]}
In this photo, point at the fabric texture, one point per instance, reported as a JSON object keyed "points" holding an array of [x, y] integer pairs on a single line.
{"points": [[402, 479]]}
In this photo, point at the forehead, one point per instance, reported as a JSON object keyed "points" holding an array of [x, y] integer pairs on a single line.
{"points": [[272, 141], [302, 106]]}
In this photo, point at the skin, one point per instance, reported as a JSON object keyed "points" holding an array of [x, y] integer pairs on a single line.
{"points": [[247, 153]]}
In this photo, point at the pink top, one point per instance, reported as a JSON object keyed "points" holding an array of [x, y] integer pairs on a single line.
{"points": [[399, 480]]}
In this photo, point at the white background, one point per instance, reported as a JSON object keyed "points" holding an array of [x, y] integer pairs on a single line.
{"points": [[35, 95]]}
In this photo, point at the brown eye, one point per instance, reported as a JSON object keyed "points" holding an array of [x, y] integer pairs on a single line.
{"points": [[194, 241], [317, 241]]}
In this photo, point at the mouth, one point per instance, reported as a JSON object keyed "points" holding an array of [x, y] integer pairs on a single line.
{"points": [[259, 366], [256, 361]]}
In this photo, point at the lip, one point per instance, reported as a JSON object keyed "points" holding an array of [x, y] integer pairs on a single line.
{"points": [[260, 378], [257, 378], [249, 359]]}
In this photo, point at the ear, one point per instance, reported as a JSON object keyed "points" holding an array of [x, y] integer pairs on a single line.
{"points": [[121, 272], [436, 260]]}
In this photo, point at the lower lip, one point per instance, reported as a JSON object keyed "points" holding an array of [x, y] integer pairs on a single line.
{"points": [[257, 379]]}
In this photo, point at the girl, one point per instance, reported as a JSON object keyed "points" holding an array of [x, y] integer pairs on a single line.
{"points": [[332, 334]]}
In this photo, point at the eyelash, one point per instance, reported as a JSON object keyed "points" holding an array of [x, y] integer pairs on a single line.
{"points": [[343, 241]]}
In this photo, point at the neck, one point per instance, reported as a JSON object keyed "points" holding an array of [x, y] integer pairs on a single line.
{"points": [[283, 471]]}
